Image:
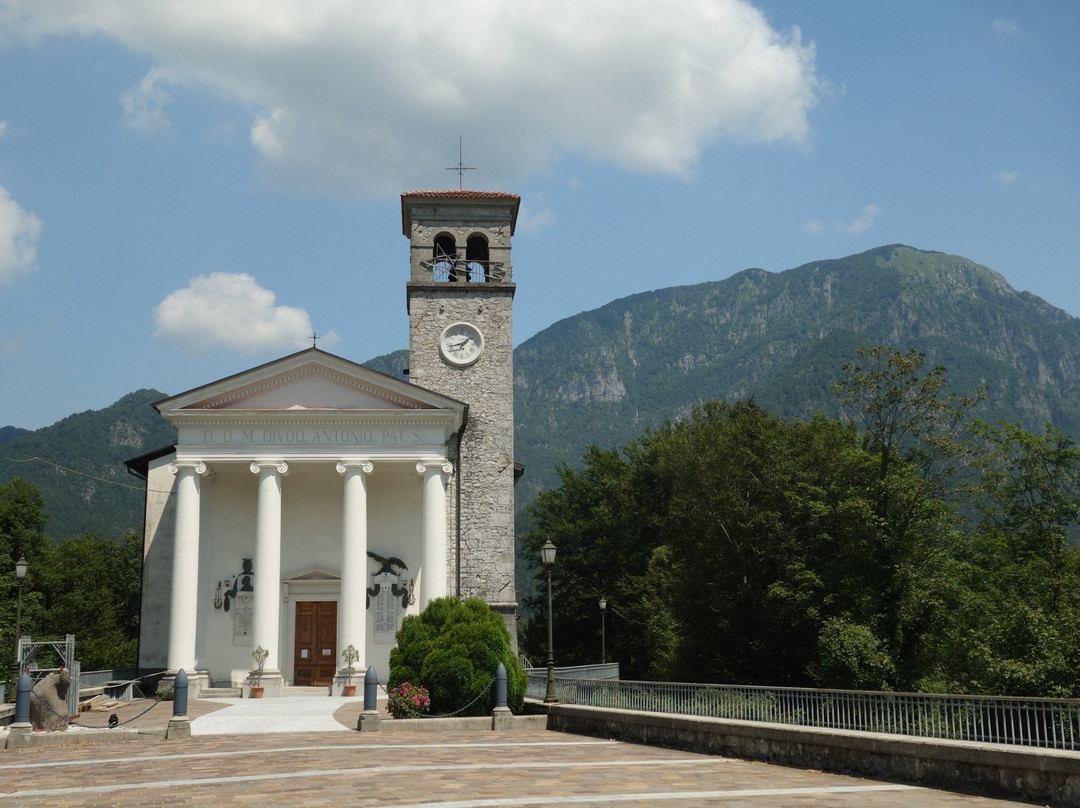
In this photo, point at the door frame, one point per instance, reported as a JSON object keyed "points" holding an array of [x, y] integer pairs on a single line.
{"points": [[314, 584]]}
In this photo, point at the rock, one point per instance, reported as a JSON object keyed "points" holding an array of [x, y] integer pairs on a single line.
{"points": [[48, 702]]}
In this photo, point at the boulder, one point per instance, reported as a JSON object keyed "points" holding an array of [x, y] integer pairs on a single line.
{"points": [[48, 702]]}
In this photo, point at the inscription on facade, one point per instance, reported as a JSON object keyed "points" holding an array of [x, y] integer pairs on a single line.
{"points": [[314, 437], [387, 607], [243, 614]]}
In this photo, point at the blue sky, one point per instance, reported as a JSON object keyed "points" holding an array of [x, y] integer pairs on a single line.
{"points": [[189, 188]]}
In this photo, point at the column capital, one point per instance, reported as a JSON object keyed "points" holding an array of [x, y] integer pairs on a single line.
{"points": [[344, 466], [445, 466], [280, 466], [197, 466]]}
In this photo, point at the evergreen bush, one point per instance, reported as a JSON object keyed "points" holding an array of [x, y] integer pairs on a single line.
{"points": [[452, 648]]}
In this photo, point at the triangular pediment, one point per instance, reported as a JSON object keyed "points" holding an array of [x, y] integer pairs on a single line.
{"points": [[309, 380], [313, 574]]}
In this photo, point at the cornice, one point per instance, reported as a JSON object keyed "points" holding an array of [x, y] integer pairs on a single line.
{"points": [[313, 418], [218, 402]]}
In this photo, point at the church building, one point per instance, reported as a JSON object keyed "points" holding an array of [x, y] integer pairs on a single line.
{"points": [[310, 503]]}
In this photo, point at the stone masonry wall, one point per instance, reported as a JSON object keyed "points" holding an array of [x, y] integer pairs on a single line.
{"points": [[485, 471]]}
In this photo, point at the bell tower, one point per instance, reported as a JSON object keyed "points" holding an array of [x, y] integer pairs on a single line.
{"points": [[460, 297]]}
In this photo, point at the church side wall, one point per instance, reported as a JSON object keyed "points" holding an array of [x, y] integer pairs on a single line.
{"points": [[158, 540]]}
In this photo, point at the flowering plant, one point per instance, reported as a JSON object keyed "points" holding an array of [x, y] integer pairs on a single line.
{"points": [[407, 701]]}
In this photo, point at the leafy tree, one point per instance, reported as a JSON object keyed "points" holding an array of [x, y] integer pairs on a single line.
{"points": [[88, 586], [916, 430], [1022, 565], [22, 535], [600, 520], [453, 648]]}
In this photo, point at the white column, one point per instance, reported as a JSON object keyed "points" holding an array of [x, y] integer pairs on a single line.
{"points": [[184, 601], [433, 531], [352, 610], [266, 629]]}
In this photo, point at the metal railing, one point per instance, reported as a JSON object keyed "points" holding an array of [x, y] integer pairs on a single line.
{"points": [[1046, 723], [606, 671], [446, 269]]}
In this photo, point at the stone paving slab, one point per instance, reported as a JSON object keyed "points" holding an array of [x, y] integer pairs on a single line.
{"points": [[451, 770]]}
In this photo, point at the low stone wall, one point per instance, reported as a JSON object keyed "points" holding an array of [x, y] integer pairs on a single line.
{"points": [[1042, 775]]}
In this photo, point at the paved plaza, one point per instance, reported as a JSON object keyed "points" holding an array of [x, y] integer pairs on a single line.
{"points": [[320, 767]]}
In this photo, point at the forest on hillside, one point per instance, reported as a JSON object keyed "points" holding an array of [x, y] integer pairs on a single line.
{"points": [[86, 585], [905, 546]]}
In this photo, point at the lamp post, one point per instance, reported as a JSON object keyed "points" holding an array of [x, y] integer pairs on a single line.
{"points": [[20, 573], [547, 555], [603, 631]]}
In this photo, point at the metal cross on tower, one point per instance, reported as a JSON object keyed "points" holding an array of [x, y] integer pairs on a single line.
{"points": [[460, 168]]}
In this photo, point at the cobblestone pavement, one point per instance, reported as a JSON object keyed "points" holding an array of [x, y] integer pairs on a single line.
{"points": [[428, 770]]}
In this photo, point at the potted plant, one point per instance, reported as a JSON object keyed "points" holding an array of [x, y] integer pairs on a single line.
{"points": [[350, 655], [259, 655]]}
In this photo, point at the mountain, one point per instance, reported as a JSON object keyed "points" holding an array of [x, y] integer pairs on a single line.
{"points": [[9, 433], [78, 464], [602, 377]]}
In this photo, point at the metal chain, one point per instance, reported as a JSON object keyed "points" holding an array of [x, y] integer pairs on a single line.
{"points": [[87, 726], [459, 710]]}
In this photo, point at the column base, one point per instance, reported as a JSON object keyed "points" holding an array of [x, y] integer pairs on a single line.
{"points": [[502, 719], [345, 679], [271, 682], [197, 682]]}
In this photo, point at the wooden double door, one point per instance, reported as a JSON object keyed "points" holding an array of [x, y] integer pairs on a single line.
{"points": [[315, 652]]}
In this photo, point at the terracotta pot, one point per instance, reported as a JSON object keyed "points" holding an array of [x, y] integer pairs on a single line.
{"points": [[348, 690], [256, 691]]}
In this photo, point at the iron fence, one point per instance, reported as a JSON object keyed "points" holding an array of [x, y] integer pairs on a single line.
{"points": [[1046, 723]]}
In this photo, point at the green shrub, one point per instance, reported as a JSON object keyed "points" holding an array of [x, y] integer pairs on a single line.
{"points": [[165, 693], [453, 648]]}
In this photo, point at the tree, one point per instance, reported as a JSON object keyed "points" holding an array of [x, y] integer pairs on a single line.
{"points": [[22, 535], [1023, 564], [453, 648], [600, 520], [916, 430], [88, 585]]}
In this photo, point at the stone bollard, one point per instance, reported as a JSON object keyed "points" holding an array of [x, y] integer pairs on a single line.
{"points": [[179, 725], [501, 717], [22, 698], [20, 732], [179, 706], [369, 718]]}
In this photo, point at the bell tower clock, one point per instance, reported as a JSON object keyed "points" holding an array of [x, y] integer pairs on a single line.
{"points": [[460, 298]]}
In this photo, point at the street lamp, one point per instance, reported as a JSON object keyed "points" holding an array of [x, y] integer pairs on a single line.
{"points": [[547, 555], [20, 573], [603, 631]]}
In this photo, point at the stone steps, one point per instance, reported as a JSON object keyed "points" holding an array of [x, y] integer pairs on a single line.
{"points": [[220, 693]]}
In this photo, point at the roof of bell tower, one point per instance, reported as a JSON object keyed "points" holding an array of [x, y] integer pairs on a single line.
{"points": [[459, 197]]}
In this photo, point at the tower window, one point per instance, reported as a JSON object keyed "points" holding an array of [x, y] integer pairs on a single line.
{"points": [[445, 260], [477, 259]]}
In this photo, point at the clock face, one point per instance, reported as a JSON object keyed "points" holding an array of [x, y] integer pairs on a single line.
{"points": [[461, 344]]}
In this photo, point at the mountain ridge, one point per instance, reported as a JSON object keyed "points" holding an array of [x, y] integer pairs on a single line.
{"points": [[605, 375]]}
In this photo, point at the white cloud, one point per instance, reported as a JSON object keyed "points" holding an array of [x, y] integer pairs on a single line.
{"points": [[3, 128], [144, 104], [1006, 177], [814, 227], [865, 220], [19, 233], [231, 310], [367, 98], [1008, 27], [530, 221]]}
